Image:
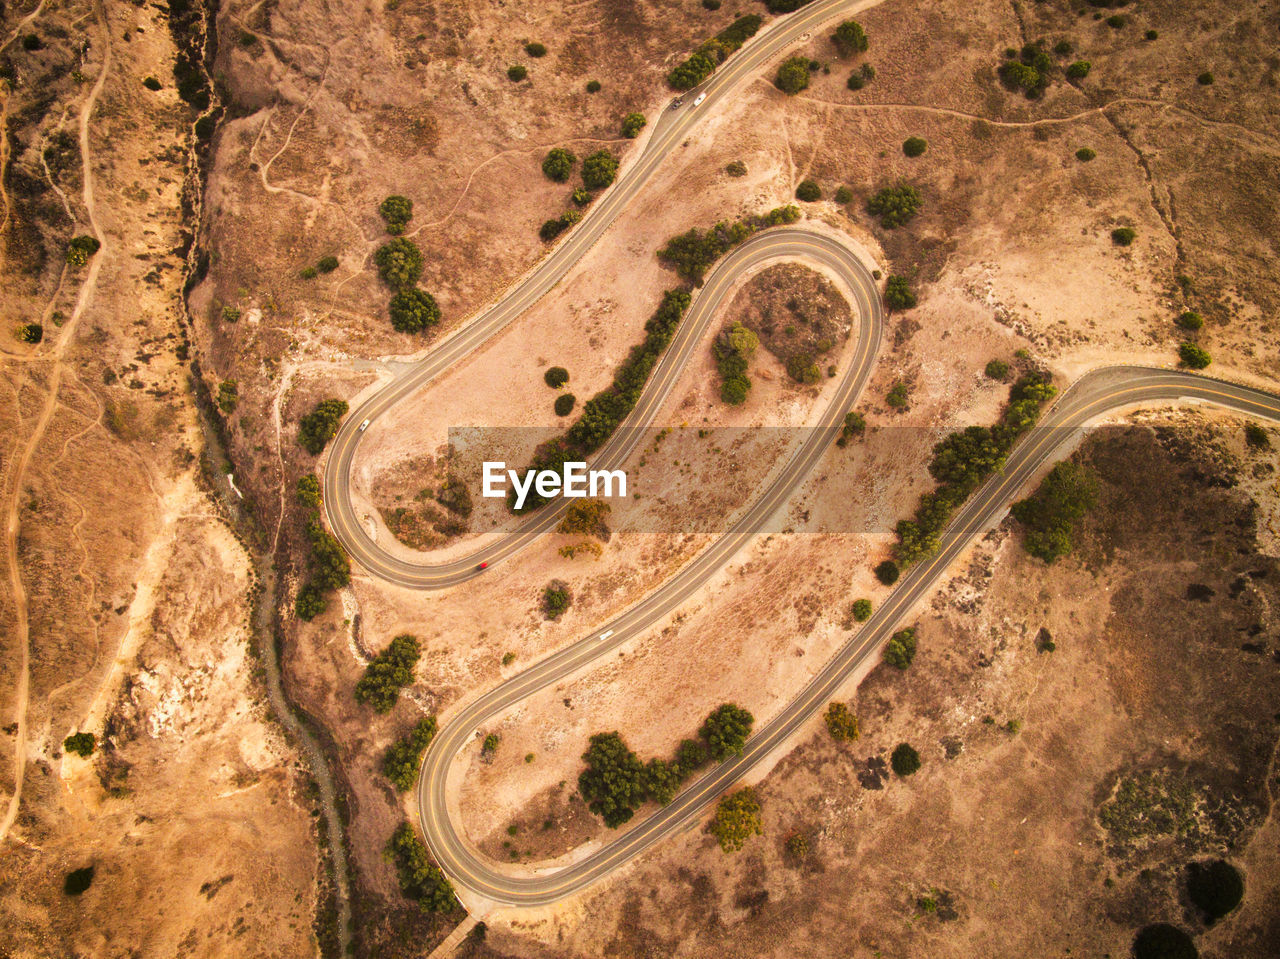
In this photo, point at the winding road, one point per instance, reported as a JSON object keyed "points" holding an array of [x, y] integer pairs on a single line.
{"points": [[1099, 393]]}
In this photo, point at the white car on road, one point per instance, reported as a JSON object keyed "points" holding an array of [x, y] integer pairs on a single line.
{"points": [[701, 97]]}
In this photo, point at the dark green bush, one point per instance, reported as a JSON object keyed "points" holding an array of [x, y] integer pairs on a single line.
{"points": [[30, 333], [793, 75], [327, 264], [535, 49], [413, 311], [1123, 236], [1256, 437], [308, 491], [1193, 357], [809, 191], [397, 211], [850, 38], [726, 731], [516, 72], [399, 263], [739, 32], [691, 72], [1078, 70], [736, 168], [82, 744], [420, 879], [887, 572], [996, 370], [785, 6], [854, 425], [632, 124], [692, 253], [1205, 79], [401, 761], [905, 760], [599, 170], [1190, 320], [309, 603], [1063, 48], [861, 610], [564, 404], [900, 651], [556, 377], [1084, 154], [898, 397], [1117, 20], [81, 248], [898, 294], [844, 195], [613, 784], [914, 146], [555, 599], [228, 396], [151, 83], [558, 164], [387, 673], [593, 86], [321, 425], [711, 4], [331, 569], [894, 205], [1050, 514]]}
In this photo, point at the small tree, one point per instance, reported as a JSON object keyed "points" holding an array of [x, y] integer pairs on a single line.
{"points": [[1190, 320], [1078, 70], [413, 311], [397, 211], [855, 424], [327, 264], [894, 205], [632, 124], [726, 731], [82, 744], [996, 370], [898, 397], [1205, 79], [793, 75], [842, 724], [844, 195], [399, 263], [850, 38], [388, 672], [558, 164], [897, 293], [914, 146], [555, 377], [737, 819], [887, 572], [309, 603], [401, 761], [1193, 357], [861, 610], [30, 333], [81, 248], [599, 170], [517, 72], [809, 191], [593, 86], [905, 760], [555, 599], [1123, 236], [1084, 154], [900, 651], [564, 404], [321, 425], [535, 49]]}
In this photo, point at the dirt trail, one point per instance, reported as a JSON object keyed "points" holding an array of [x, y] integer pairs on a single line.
{"points": [[12, 522]]}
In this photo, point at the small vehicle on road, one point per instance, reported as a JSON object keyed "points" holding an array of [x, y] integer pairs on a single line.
{"points": [[483, 566], [364, 426], [675, 104], [701, 97]]}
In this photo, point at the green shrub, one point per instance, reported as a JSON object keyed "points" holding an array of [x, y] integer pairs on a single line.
{"points": [[399, 263], [1123, 236], [734, 348], [785, 6], [555, 599], [900, 651], [309, 603], [308, 491], [490, 745], [1205, 79], [1063, 48], [81, 248], [1050, 514], [564, 404], [803, 368], [887, 572], [82, 744], [737, 819], [914, 146], [228, 396], [580, 196], [632, 124], [1084, 154], [793, 75], [842, 724], [692, 253], [861, 610], [420, 879], [996, 370], [593, 86], [894, 205], [1193, 357], [736, 168], [397, 211], [413, 311], [599, 170], [321, 425], [1078, 70], [331, 569], [327, 264], [1152, 35], [850, 38], [30, 333], [308, 273], [230, 314], [1256, 437], [1117, 20], [855, 424], [535, 49], [516, 72], [401, 761], [613, 784], [1190, 320], [555, 377], [387, 673], [898, 396], [558, 164], [1020, 77], [898, 294], [739, 32], [691, 72], [905, 760], [844, 195], [711, 4], [151, 83], [32, 42], [726, 731], [809, 191]]}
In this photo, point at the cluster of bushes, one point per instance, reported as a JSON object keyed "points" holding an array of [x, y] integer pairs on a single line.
{"points": [[711, 53], [330, 569], [616, 783], [900, 651], [326, 264], [734, 349], [82, 744], [963, 460], [387, 673], [402, 759], [737, 819], [632, 124], [602, 414], [860, 77], [553, 228], [894, 205], [556, 598], [397, 211], [692, 253], [400, 263], [855, 424], [898, 294], [842, 724], [228, 396], [81, 248], [420, 878], [29, 333], [1050, 513], [793, 75], [319, 426]]}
